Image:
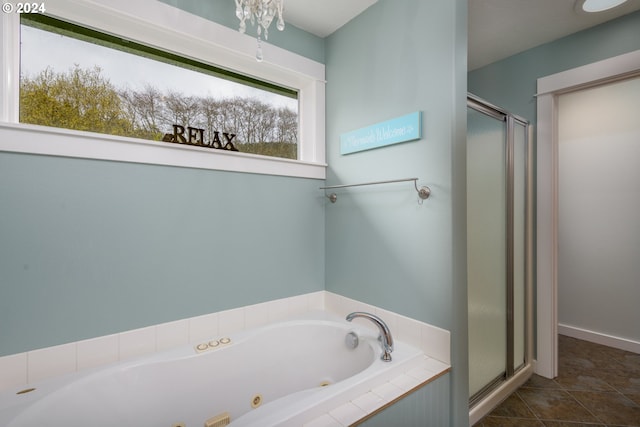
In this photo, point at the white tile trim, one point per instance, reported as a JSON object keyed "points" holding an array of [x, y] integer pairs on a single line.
{"points": [[51, 361], [373, 400], [433, 341], [20, 369], [347, 414], [13, 371], [97, 352]]}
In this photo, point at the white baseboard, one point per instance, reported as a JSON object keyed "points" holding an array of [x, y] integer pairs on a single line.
{"points": [[599, 338]]}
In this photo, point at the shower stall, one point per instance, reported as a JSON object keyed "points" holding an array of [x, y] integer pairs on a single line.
{"points": [[499, 254]]}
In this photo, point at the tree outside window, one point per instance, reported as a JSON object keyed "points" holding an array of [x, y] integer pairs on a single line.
{"points": [[75, 78]]}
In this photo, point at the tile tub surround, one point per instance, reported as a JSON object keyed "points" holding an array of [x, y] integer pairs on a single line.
{"points": [[380, 397], [20, 369]]}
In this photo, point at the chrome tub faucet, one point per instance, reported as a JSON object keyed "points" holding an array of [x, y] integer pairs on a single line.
{"points": [[386, 340]]}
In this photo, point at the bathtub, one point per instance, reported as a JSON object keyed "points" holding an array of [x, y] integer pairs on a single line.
{"points": [[283, 374]]}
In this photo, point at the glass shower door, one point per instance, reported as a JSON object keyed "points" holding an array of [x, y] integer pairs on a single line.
{"points": [[486, 249], [498, 247]]}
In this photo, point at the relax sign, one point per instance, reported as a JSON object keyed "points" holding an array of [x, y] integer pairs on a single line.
{"points": [[195, 136]]}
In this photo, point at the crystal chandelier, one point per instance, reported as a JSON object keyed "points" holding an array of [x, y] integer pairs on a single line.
{"points": [[262, 12]]}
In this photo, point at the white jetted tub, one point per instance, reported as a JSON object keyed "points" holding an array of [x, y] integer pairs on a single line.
{"points": [[282, 374]]}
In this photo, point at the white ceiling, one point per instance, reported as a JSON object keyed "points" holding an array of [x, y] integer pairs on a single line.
{"points": [[497, 28], [325, 16], [501, 28]]}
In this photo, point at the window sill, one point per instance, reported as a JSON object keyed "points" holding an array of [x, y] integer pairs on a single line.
{"points": [[32, 139]]}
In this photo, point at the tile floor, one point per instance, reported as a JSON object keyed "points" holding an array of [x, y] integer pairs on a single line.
{"points": [[597, 386]]}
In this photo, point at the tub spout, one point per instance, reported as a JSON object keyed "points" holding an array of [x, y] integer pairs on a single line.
{"points": [[385, 334]]}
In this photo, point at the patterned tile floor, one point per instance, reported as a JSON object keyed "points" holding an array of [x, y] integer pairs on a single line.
{"points": [[597, 386]]}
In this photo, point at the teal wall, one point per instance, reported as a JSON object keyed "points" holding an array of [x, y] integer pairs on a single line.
{"points": [[89, 248], [382, 247], [511, 83], [94, 247], [224, 12]]}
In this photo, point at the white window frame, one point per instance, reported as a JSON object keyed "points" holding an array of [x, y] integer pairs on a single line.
{"points": [[170, 29]]}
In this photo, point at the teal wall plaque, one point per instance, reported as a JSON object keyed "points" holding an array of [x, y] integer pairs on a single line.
{"points": [[394, 131]]}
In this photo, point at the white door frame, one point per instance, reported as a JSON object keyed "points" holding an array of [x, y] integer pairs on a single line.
{"points": [[549, 88]]}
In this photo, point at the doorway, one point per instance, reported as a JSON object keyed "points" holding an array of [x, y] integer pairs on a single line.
{"points": [[549, 88], [599, 237]]}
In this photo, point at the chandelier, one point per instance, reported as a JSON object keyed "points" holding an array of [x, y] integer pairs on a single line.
{"points": [[261, 12]]}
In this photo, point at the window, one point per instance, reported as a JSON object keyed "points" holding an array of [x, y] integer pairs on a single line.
{"points": [[166, 95], [75, 78]]}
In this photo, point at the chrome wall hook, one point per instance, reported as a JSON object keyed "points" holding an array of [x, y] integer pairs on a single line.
{"points": [[423, 192]]}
